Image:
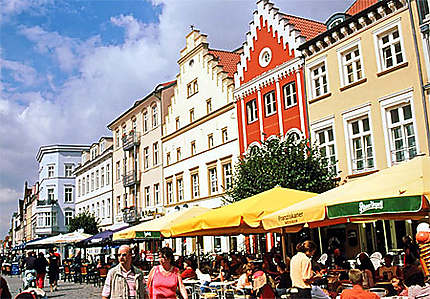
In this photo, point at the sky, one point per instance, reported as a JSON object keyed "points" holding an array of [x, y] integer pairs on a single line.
{"points": [[70, 67]]}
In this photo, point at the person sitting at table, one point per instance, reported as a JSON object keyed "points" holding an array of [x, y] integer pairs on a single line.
{"points": [[399, 287], [268, 267], [387, 271], [366, 266], [357, 291], [224, 271], [283, 280], [188, 272], [244, 283], [417, 288]]}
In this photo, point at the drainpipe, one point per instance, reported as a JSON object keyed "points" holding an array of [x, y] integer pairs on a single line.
{"points": [[306, 99], [420, 74]]}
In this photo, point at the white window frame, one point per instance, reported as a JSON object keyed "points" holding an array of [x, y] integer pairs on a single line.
{"points": [[213, 180], [289, 94], [68, 170], [341, 57], [146, 157], [382, 31], [157, 194], [389, 102], [310, 78], [180, 190], [155, 151], [68, 215], [102, 177], [48, 193], [51, 171], [323, 125], [66, 189], [169, 187], [227, 176], [269, 103], [349, 116], [195, 185], [147, 196], [97, 179], [145, 121], [251, 111], [154, 112], [107, 174]]}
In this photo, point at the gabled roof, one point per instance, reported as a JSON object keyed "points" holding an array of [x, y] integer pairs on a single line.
{"points": [[228, 60], [359, 5], [308, 28]]}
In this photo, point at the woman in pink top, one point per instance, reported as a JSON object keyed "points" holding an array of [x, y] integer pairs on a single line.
{"points": [[164, 279]]}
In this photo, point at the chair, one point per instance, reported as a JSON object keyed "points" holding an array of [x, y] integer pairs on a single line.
{"points": [[102, 275], [323, 258], [206, 292]]}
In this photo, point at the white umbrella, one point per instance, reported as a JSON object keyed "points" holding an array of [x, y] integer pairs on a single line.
{"points": [[68, 238]]}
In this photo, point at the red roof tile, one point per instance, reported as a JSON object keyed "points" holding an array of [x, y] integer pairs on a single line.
{"points": [[360, 5], [308, 28], [228, 60], [167, 83]]}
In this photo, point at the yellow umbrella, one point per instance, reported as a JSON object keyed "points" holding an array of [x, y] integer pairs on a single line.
{"points": [[240, 217], [393, 192], [161, 224]]}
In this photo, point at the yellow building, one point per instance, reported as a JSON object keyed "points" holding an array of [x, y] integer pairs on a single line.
{"points": [[366, 102]]}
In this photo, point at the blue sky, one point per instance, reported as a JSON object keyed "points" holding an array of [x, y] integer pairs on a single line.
{"points": [[69, 67]]}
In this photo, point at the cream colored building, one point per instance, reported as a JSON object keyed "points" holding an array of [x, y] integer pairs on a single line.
{"points": [[137, 154], [365, 101], [200, 144]]}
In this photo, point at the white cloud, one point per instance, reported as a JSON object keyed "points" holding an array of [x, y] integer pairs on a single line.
{"points": [[20, 72], [13, 7], [9, 203]]}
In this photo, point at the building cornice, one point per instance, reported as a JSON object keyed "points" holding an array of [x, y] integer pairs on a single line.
{"points": [[47, 149], [108, 154]]}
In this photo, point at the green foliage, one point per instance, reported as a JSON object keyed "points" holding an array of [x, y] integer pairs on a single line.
{"points": [[85, 221], [287, 163]]}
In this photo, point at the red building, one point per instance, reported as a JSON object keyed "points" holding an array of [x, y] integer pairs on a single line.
{"points": [[269, 82]]}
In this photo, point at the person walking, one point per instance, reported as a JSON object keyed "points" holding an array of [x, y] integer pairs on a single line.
{"points": [[40, 266], [301, 270], [4, 289], [357, 291], [53, 270], [124, 280], [164, 279]]}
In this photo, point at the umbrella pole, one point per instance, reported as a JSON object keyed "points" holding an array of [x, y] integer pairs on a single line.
{"points": [[284, 245], [198, 252], [319, 237], [385, 235]]}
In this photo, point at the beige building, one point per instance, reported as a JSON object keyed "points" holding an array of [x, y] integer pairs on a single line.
{"points": [[137, 154], [200, 143], [30, 200], [365, 100]]}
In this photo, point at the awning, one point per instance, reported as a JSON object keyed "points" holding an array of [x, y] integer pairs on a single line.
{"points": [[69, 238]]}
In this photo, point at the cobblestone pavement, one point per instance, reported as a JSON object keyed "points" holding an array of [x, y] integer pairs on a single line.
{"points": [[67, 290]]}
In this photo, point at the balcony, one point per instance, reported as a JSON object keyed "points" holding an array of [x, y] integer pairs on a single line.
{"points": [[47, 202], [118, 217], [129, 214], [130, 140], [46, 230], [130, 178]]}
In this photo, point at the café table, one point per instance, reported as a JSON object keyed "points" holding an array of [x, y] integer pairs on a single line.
{"points": [[221, 286]]}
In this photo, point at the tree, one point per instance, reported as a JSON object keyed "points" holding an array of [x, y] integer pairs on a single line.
{"points": [[85, 221], [289, 163]]}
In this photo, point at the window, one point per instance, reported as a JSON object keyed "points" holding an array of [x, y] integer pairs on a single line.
{"points": [[108, 207], [47, 218], [88, 183], [154, 116], [290, 95], [83, 186], [146, 157], [401, 133], [97, 179], [208, 106], [193, 148], [68, 194], [224, 135], [195, 191], [360, 137], [157, 194], [97, 212], [102, 178], [108, 174], [192, 115], [68, 170], [117, 138], [213, 180], [319, 80], [180, 188], [326, 142], [118, 204], [92, 181], [54, 218], [169, 192], [192, 88], [390, 48], [145, 121], [251, 111], [168, 158], [178, 154], [270, 103], [147, 196], [118, 171], [155, 153], [68, 217], [351, 65], [79, 187], [102, 209], [178, 124], [50, 195], [210, 141], [50, 171], [227, 175]]}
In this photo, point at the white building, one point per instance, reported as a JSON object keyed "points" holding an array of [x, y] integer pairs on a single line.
{"points": [[200, 138], [94, 182]]}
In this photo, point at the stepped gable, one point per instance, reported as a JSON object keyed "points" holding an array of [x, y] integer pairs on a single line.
{"points": [[228, 60], [359, 5], [308, 28]]}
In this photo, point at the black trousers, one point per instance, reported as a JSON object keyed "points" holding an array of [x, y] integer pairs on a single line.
{"points": [[302, 294]]}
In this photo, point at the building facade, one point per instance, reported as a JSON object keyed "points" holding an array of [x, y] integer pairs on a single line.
{"points": [[200, 139], [56, 204], [94, 182], [30, 201], [269, 82], [137, 154], [366, 108]]}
